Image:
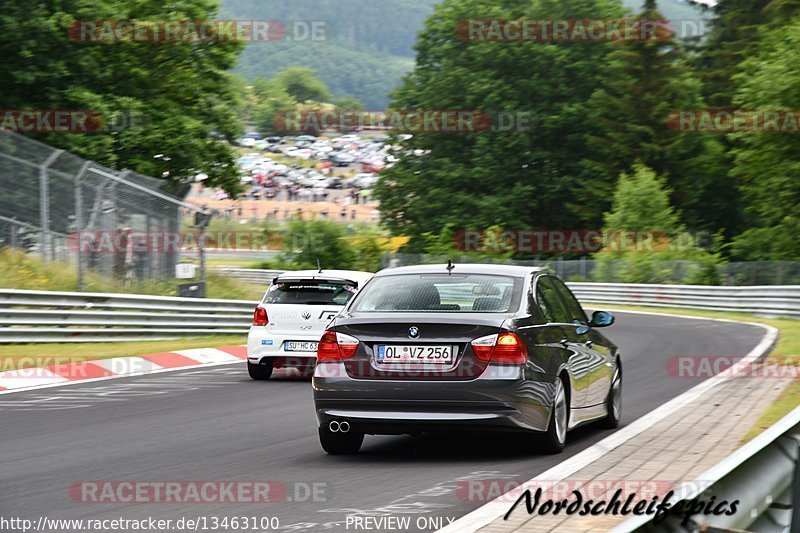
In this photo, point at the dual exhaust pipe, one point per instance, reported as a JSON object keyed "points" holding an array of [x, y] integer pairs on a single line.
{"points": [[335, 426]]}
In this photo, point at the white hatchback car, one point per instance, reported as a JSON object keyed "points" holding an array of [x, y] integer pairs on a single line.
{"points": [[293, 315]]}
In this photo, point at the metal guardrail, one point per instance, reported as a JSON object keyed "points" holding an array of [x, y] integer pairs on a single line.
{"points": [[250, 275], [763, 475], [44, 316], [772, 300]]}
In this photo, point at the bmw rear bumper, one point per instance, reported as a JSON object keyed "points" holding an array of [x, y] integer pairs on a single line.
{"points": [[500, 399]]}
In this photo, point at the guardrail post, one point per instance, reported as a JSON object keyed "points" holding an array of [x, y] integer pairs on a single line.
{"points": [[202, 220], [44, 204], [79, 220]]}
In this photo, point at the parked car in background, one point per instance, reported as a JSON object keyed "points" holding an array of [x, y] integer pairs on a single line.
{"points": [[342, 159], [335, 183], [372, 165]]}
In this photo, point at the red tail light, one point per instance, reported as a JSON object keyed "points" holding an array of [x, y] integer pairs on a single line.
{"points": [[509, 349], [336, 347], [483, 347], [328, 348], [260, 317], [506, 347]]}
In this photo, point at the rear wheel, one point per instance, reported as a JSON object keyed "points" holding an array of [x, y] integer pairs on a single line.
{"points": [[340, 443], [614, 401], [260, 372], [556, 435]]}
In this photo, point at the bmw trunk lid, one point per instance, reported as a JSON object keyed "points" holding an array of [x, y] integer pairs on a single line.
{"points": [[414, 346]]}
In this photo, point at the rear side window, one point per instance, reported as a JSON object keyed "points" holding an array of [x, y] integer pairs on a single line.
{"points": [[462, 293], [549, 302], [309, 293], [573, 308]]}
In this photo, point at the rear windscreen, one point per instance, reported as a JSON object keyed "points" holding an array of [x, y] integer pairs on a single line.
{"points": [[309, 293], [466, 293]]}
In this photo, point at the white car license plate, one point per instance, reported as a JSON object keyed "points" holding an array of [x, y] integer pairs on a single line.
{"points": [[437, 355], [300, 346]]}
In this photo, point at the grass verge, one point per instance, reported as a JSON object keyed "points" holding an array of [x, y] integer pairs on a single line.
{"points": [[19, 270], [15, 356], [786, 352]]}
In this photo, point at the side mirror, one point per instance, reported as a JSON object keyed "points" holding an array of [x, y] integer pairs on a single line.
{"points": [[601, 319]]}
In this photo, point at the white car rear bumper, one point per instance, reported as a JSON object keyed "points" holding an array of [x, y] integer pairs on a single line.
{"points": [[261, 344]]}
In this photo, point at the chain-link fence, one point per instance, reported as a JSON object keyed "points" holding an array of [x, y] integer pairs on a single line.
{"points": [[66, 208], [643, 271]]}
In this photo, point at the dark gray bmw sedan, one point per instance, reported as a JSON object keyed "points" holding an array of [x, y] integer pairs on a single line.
{"points": [[464, 347]]}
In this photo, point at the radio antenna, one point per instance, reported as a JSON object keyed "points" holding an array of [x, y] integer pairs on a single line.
{"points": [[450, 267]]}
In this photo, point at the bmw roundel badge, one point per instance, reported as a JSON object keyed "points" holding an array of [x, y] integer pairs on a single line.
{"points": [[413, 332]]}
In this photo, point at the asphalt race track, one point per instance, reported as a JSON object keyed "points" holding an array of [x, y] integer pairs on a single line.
{"points": [[216, 424]]}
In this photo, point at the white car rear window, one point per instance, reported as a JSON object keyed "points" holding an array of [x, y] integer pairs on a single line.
{"points": [[309, 293]]}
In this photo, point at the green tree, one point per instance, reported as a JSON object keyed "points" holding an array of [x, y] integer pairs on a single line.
{"points": [[734, 35], [642, 209], [348, 103], [178, 93], [768, 164], [369, 245], [439, 242], [517, 177], [309, 241], [301, 84], [645, 81], [641, 202], [270, 100]]}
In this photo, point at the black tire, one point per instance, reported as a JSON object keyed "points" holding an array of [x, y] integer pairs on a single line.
{"points": [[340, 443], [556, 436], [259, 372], [614, 401]]}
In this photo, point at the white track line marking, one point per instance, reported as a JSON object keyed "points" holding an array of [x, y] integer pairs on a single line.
{"points": [[208, 355], [38, 378], [134, 374], [498, 507], [30, 377], [125, 366]]}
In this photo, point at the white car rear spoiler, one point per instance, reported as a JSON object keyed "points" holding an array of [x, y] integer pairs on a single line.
{"points": [[322, 278]]}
